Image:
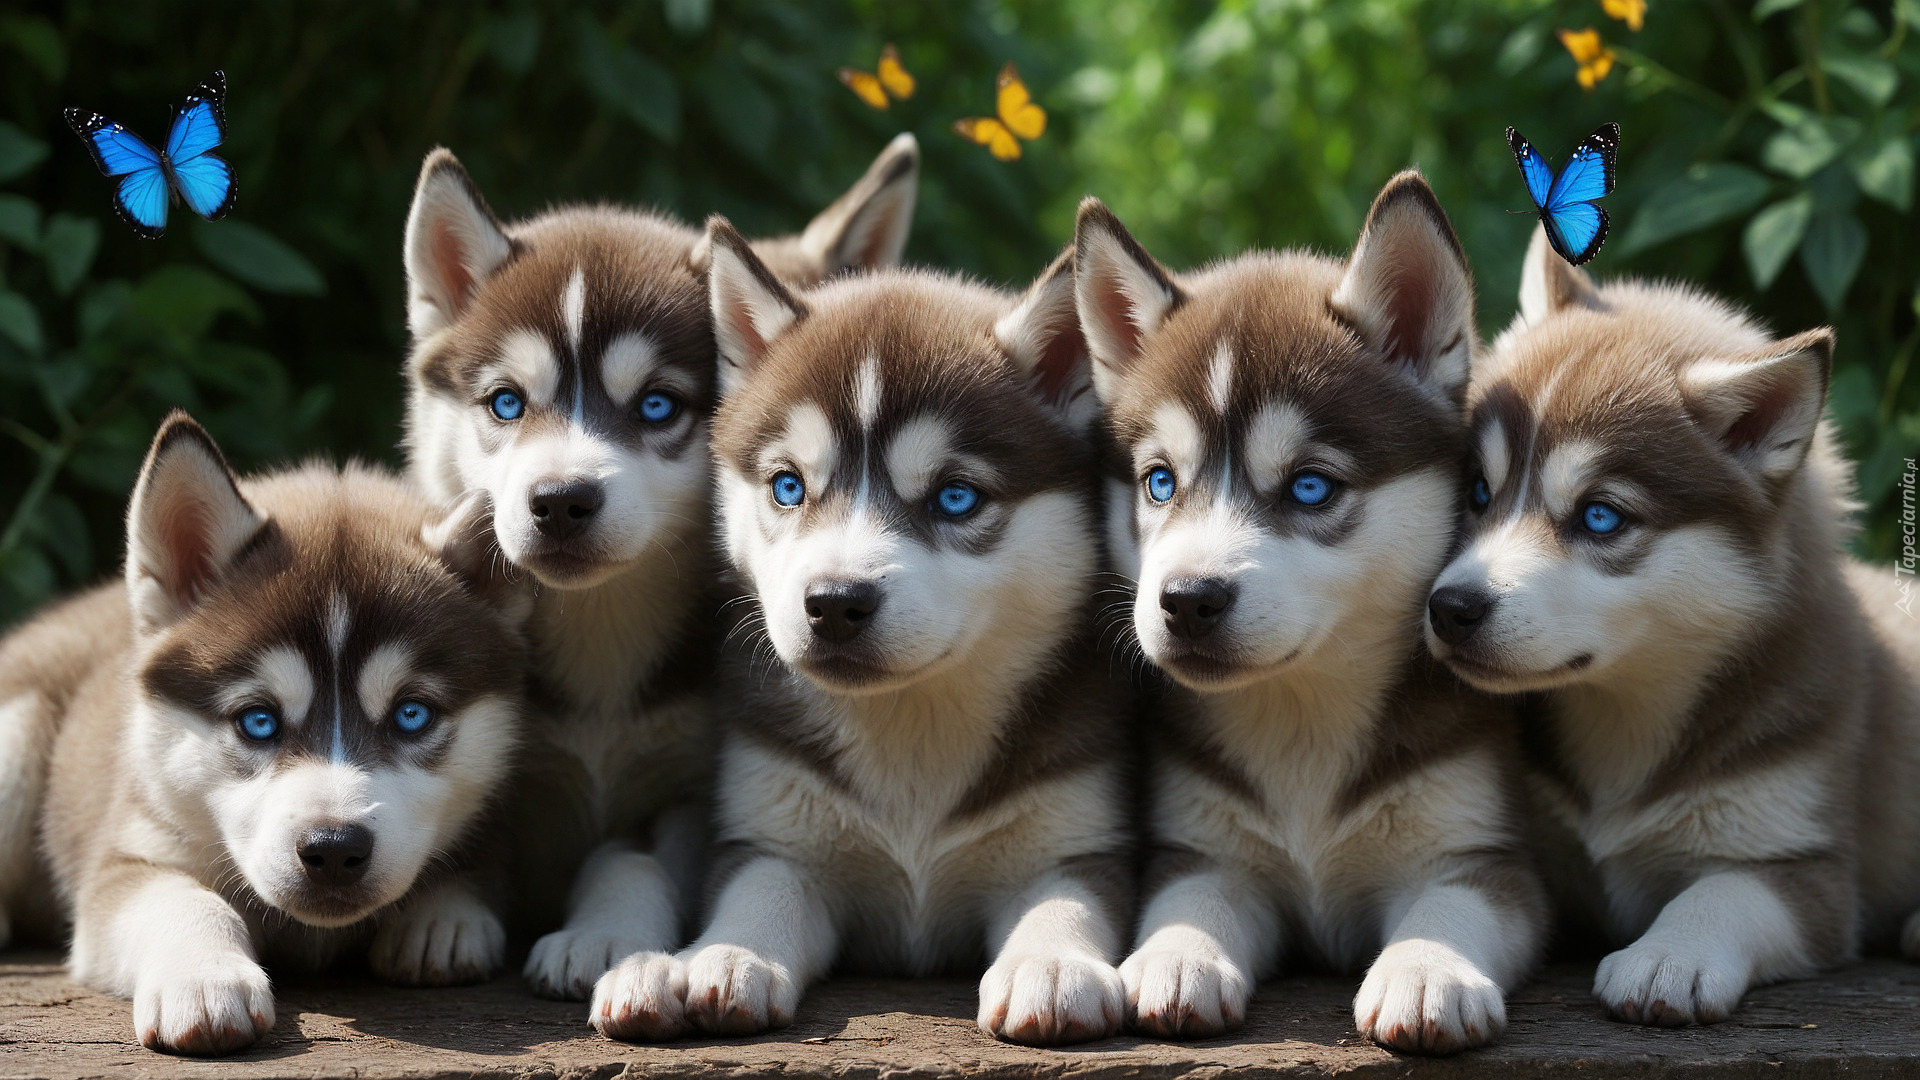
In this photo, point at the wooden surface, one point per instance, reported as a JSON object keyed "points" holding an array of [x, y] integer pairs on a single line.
{"points": [[1860, 1022]]}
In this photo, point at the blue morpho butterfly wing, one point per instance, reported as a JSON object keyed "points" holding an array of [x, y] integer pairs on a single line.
{"points": [[1575, 226], [141, 196], [205, 182]]}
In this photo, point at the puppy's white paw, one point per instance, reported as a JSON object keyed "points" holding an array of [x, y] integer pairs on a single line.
{"points": [[214, 1005], [447, 938], [736, 991], [1653, 983], [567, 963], [643, 999], [1180, 986], [1425, 998], [1044, 999]]}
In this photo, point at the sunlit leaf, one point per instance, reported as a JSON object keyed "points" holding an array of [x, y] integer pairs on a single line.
{"points": [[19, 152], [1874, 78], [1765, 8], [69, 246], [256, 257], [1704, 195], [1834, 247], [1805, 148], [20, 323], [20, 221], [1772, 236], [1886, 172], [689, 17]]}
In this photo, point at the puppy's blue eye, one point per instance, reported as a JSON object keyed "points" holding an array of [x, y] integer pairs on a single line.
{"points": [[658, 408], [958, 499], [507, 405], [1311, 488], [1600, 519], [259, 724], [1160, 485], [412, 717], [1481, 494], [788, 489]]}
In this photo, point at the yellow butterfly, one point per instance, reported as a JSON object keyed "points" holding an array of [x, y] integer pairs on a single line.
{"points": [[1631, 12], [1019, 118], [1594, 58], [873, 87]]}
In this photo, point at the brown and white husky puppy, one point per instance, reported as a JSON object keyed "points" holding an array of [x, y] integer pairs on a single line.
{"points": [[1726, 736], [564, 366], [267, 741], [927, 773], [1289, 443]]}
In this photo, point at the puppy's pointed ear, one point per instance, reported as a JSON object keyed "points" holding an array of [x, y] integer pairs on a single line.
{"points": [[1764, 409], [1407, 288], [1121, 293], [186, 522], [1043, 337], [750, 306], [453, 244], [1548, 283], [867, 228], [463, 539]]}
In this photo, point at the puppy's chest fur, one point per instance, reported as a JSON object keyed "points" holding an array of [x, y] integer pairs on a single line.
{"points": [[917, 819], [1327, 807]]}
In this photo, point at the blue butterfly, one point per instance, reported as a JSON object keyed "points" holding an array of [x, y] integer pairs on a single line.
{"points": [[1575, 226], [150, 180]]}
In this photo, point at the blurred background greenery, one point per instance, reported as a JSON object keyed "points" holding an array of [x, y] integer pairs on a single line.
{"points": [[1768, 154]]}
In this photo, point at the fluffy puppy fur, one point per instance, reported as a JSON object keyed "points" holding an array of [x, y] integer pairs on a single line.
{"points": [[1289, 441], [563, 365], [267, 744], [1723, 743], [923, 768]]}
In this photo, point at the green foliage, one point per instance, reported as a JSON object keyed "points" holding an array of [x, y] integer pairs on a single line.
{"points": [[1757, 140]]}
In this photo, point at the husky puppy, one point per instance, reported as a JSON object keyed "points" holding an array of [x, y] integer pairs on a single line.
{"points": [[261, 742], [564, 366], [928, 770], [1289, 441], [1725, 739]]}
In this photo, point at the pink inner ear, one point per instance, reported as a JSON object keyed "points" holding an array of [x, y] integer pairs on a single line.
{"points": [[1065, 354], [1761, 415], [449, 259], [1116, 313], [186, 541], [1411, 298]]}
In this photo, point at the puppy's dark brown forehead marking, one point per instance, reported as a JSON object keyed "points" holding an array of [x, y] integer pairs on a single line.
{"points": [[1267, 319], [925, 343], [634, 279], [348, 545]]}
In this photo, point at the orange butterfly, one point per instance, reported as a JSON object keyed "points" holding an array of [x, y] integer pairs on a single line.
{"points": [[873, 87], [1019, 118]]}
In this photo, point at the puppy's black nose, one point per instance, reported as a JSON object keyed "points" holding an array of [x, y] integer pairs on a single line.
{"points": [[336, 855], [1456, 611], [563, 508], [839, 610], [1193, 606]]}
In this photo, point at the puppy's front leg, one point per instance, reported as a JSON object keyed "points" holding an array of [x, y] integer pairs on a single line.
{"points": [[1439, 985], [1202, 945], [180, 951], [1053, 979], [1724, 933], [772, 933], [623, 902]]}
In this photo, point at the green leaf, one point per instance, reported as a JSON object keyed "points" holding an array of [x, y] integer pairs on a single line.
{"points": [[20, 222], [1854, 397], [257, 258], [1886, 172], [69, 247], [630, 82], [689, 17], [1704, 195], [745, 114], [63, 530], [514, 40], [27, 573], [184, 300], [19, 152], [1805, 148], [1773, 234], [20, 323], [1766, 8], [65, 379], [1874, 78], [39, 41], [100, 306], [1831, 254]]}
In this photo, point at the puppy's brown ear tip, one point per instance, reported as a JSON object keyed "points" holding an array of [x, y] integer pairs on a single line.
{"points": [[721, 231], [1093, 211], [441, 160], [178, 426]]}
